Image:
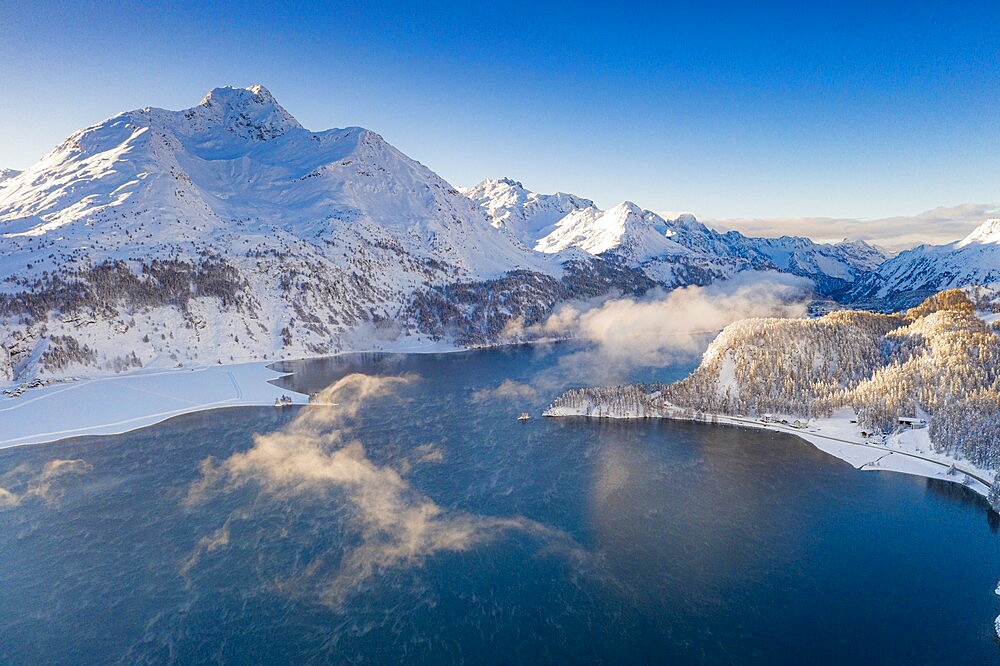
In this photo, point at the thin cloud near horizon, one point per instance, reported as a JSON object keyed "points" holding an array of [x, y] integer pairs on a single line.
{"points": [[938, 226]]}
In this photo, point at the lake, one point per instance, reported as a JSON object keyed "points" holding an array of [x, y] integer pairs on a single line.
{"points": [[418, 520]]}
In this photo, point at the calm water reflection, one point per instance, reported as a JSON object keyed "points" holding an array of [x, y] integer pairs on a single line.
{"points": [[569, 540]]}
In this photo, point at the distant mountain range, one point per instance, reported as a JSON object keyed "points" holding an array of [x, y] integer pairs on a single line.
{"points": [[664, 247], [229, 232], [912, 275]]}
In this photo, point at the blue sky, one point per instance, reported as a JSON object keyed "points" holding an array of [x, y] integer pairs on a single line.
{"points": [[729, 110]]}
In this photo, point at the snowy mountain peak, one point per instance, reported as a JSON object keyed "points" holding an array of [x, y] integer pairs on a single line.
{"points": [[687, 220], [914, 274], [498, 188], [240, 98], [251, 112], [504, 192], [862, 254], [666, 245], [987, 233], [627, 230], [509, 182], [626, 208], [256, 94], [239, 161], [527, 215]]}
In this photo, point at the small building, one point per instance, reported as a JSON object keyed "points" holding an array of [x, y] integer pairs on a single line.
{"points": [[912, 422]]}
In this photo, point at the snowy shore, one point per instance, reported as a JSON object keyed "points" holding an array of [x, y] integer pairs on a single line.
{"points": [[906, 452], [119, 403], [114, 404]]}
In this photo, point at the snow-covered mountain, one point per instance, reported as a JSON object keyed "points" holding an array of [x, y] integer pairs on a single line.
{"points": [[626, 229], [672, 251], [227, 231], [831, 266], [555, 223], [238, 159], [913, 274], [528, 215]]}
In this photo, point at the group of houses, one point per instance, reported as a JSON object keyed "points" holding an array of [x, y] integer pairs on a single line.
{"points": [[771, 418], [904, 423]]}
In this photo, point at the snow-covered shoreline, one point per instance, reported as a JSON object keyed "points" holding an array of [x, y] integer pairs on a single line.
{"points": [[120, 403], [908, 452], [116, 404]]}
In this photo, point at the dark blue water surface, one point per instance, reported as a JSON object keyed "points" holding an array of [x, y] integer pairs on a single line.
{"points": [[453, 532]]}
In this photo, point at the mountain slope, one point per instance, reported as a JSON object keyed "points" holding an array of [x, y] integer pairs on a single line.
{"points": [[831, 266], [913, 274], [626, 230], [238, 157]]}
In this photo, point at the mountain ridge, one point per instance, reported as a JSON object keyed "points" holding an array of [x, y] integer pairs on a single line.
{"points": [[659, 245]]}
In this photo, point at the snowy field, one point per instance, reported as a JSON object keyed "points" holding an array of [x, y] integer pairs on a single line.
{"points": [[111, 405]]}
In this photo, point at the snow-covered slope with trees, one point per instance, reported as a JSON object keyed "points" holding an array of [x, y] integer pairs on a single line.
{"points": [[914, 274], [938, 359]]}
